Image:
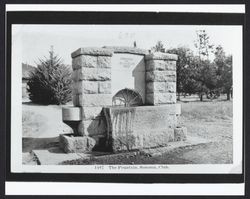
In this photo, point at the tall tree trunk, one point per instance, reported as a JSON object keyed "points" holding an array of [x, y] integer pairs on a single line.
{"points": [[228, 95], [201, 97], [178, 97]]}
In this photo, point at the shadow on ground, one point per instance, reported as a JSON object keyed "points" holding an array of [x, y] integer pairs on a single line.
{"points": [[30, 143]]}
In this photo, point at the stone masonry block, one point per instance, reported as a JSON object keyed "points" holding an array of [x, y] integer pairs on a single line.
{"points": [[160, 98], [91, 112], [75, 76], [159, 137], [83, 126], [139, 140], [103, 62], [77, 63], [126, 49], [91, 74], [75, 88], [87, 61], [95, 74], [95, 100], [79, 144], [104, 87], [92, 127], [86, 87], [160, 65], [161, 76], [161, 87], [92, 51], [161, 56]]}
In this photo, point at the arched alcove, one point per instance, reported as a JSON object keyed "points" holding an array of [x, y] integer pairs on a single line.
{"points": [[127, 97]]}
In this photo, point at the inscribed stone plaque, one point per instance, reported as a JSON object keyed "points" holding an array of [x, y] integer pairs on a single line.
{"points": [[128, 71]]}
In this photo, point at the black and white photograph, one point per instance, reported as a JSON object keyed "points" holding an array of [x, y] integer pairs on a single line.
{"points": [[128, 95], [137, 100]]}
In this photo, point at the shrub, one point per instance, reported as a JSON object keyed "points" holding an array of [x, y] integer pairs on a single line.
{"points": [[50, 82]]}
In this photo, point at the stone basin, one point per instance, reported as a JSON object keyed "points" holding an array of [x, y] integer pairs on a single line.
{"points": [[140, 127], [72, 117]]}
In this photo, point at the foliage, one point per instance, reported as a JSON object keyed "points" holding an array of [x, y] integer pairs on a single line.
{"points": [[224, 70], [159, 47], [205, 77], [185, 84], [203, 45], [193, 74], [50, 82], [199, 74], [205, 71]]}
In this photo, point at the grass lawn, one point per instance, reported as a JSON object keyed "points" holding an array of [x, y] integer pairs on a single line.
{"points": [[209, 119]]}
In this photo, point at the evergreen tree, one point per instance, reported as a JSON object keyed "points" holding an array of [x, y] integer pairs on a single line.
{"points": [[50, 82]]}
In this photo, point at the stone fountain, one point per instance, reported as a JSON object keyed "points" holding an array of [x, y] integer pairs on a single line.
{"points": [[101, 76]]}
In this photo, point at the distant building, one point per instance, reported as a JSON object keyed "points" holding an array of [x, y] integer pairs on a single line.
{"points": [[26, 69]]}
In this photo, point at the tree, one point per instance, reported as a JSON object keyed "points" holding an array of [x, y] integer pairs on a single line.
{"points": [[184, 84], [50, 82], [159, 47], [203, 45], [205, 72], [224, 70]]}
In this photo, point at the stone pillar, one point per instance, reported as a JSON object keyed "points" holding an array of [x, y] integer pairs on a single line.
{"points": [[160, 78], [91, 88]]}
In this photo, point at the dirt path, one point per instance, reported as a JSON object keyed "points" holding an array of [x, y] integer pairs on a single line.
{"points": [[211, 153], [41, 127], [43, 121]]}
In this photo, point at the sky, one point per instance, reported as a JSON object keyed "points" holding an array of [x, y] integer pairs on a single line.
{"points": [[34, 41]]}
